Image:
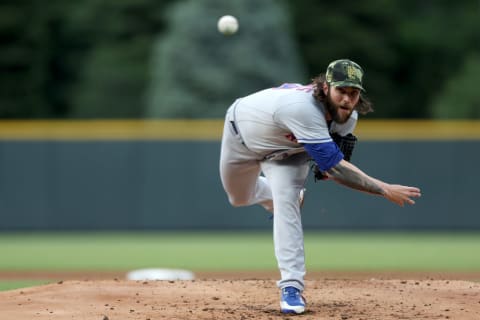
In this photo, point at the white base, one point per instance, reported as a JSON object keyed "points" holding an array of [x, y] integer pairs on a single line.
{"points": [[160, 274]]}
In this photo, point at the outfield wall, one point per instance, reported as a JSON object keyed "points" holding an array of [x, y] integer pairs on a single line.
{"points": [[164, 175]]}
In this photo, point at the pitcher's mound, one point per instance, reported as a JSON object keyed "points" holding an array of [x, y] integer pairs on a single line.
{"points": [[242, 299]]}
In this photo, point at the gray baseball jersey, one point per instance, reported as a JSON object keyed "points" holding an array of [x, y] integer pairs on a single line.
{"points": [[268, 119]]}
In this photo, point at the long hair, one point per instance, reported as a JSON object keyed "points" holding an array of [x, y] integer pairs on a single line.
{"points": [[363, 106]]}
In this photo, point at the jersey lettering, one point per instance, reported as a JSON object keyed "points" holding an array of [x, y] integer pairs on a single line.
{"points": [[291, 137], [296, 86]]}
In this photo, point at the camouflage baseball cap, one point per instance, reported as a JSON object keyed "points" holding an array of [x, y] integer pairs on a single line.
{"points": [[344, 73]]}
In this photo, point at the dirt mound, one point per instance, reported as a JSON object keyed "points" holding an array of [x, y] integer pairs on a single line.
{"points": [[242, 299]]}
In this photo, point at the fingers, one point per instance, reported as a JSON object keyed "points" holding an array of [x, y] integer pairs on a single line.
{"points": [[411, 194], [403, 194], [401, 202], [414, 192]]}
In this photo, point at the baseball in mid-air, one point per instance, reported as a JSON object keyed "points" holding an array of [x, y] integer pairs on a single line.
{"points": [[227, 25]]}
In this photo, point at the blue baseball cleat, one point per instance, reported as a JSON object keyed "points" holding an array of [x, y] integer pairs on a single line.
{"points": [[292, 301]]}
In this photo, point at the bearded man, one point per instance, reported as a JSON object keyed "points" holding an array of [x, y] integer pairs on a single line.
{"points": [[270, 139]]}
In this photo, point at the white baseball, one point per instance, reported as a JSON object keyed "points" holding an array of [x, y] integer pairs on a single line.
{"points": [[227, 25]]}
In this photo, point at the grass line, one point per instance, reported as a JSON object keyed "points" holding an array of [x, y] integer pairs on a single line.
{"points": [[237, 250]]}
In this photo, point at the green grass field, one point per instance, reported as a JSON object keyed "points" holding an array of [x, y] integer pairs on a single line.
{"points": [[217, 251]]}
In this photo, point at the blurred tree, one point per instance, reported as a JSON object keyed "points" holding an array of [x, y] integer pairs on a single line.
{"points": [[358, 30], [114, 71], [460, 98], [407, 48], [93, 58], [198, 72], [433, 44], [15, 58], [76, 59], [29, 64]]}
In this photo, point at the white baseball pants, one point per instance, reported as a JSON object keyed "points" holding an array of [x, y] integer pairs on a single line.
{"points": [[278, 192]]}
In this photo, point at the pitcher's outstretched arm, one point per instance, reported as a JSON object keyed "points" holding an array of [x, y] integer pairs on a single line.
{"points": [[349, 175]]}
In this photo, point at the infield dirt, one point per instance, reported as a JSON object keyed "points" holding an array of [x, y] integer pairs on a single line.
{"points": [[356, 296]]}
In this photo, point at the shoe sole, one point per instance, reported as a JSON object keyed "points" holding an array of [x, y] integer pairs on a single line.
{"points": [[288, 311], [291, 310]]}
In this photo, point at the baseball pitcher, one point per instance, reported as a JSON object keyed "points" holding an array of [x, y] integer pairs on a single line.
{"points": [[269, 141]]}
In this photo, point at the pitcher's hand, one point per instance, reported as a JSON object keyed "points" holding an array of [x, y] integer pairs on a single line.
{"points": [[401, 194]]}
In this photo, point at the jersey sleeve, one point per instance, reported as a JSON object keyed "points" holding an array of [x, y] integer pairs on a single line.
{"points": [[326, 155], [305, 122]]}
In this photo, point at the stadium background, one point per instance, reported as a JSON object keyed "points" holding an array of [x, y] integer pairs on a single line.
{"points": [[111, 116], [163, 175]]}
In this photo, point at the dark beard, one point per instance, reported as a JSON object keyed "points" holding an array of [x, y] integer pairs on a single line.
{"points": [[333, 110]]}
